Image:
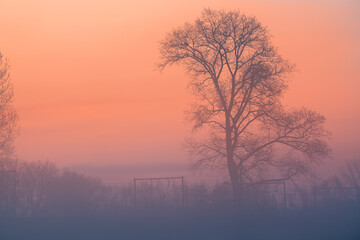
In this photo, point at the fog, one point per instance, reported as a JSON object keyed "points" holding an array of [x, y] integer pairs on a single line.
{"points": [[50, 203], [179, 119]]}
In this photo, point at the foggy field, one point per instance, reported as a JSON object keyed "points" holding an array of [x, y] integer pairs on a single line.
{"points": [[49, 203], [52, 204], [340, 223]]}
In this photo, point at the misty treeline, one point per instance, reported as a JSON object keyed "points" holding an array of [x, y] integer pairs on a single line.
{"points": [[51, 203], [40, 188], [43, 189]]}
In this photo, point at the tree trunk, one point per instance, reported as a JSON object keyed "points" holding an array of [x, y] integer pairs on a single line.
{"points": [[232, 169]]}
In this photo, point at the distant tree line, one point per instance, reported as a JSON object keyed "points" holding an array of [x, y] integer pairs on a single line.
{"points": [[42, 189]]}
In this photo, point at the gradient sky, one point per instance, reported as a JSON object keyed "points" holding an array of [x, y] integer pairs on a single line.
{"points": [[88, 93]]}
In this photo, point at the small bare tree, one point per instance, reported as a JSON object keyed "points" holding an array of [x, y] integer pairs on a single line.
{"points": [[8, 117], [350, 175], [239, 78]]}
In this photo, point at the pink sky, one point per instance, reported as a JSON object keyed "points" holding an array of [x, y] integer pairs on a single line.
{"points": [[87, 91]]}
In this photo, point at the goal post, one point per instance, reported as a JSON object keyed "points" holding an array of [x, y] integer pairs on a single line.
{"points": [[150, 188]]}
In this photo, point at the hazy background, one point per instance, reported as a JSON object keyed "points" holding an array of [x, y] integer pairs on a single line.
{"points": [[90, 98]]}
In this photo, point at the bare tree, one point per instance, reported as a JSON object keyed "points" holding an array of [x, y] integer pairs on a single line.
{"points": [[351, 174], [34, 179], [8, 117], [239, 78]]}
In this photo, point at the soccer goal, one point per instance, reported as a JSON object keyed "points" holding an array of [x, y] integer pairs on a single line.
{"points": [[158, 192]]}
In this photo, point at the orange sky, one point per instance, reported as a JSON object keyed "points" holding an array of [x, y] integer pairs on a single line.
{"points": [[87, 91]]}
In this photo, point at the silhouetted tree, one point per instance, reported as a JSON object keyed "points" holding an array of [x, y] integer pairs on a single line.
{"points": [[42, 189], [351, 173], [8, 117], [239, 78], [8, 131], [34, 181], [75, 194]]}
